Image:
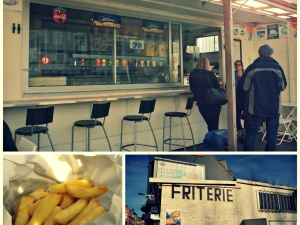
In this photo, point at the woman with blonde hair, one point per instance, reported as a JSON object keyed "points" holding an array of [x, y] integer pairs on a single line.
{"points": [[200, 79]]}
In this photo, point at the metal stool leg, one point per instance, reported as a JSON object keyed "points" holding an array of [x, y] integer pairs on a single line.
{"points": [[121, 135], [72, 144], [107, 138], [153, 135], [135, 136], [183, 134], [50, 142], [163, 145], [87, 139], [38, 142], [191, 133]]}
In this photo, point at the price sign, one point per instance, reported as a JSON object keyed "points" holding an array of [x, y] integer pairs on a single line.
{"points": [[136, 44], [45, 60]]}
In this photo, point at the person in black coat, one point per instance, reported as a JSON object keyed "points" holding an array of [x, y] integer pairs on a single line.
{"points": [[200, 79], [8, 141]]}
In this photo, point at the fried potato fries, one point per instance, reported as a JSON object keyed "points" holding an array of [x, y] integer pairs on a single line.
{"points": [[23, 210], [66, 201], [93, 215], [85, 192], [72, 202], [60, 188], [66, 215], [89, 208], [44, 209]]}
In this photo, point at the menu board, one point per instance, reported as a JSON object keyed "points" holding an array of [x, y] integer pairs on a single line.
{"points": [[178, 170]]}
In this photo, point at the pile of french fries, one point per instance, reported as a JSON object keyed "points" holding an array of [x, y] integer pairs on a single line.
{"points": [[72, 202]]}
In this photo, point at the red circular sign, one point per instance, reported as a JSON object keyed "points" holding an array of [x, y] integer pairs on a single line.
{"points": [[59, 16], [45, 60], [174, 59]]}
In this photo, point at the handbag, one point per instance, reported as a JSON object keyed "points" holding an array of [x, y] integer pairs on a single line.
{"points": [[215, 96]]}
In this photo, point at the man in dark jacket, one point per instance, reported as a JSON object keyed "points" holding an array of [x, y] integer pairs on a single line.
{"points": [[264, 80]]}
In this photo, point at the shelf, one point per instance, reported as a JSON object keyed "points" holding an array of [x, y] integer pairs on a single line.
{"points": [[86, 56]]}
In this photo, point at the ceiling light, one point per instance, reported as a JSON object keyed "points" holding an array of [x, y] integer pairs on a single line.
{"points": [[284, 17], [294, 15], [251, 3], [264, 12], [276, 10], [287, 1]]}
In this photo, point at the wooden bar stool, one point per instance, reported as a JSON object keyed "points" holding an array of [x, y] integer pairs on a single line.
{"points": [[100, 110], [189, 106], [146, 107], [34, 119]]}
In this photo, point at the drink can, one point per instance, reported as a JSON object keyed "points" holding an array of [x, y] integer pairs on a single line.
{"points": [[75, 61], [103, 62], [82, 62], [153, 63], [148, 63], [97, 62], [124, 62], [117, 62], [142, 63]]}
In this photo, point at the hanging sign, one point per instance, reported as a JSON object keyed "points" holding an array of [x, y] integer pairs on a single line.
{"points": [[45, 60], [272, 31], [294, 28], [105, 20], [59, 15], [136, 44], [152, 26]]}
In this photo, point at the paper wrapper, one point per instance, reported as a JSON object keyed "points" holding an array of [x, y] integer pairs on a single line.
{"points": [[22, 174]]}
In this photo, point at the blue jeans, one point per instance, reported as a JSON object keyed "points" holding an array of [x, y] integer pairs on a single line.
{"points": [[211, 116], [272, 124]]}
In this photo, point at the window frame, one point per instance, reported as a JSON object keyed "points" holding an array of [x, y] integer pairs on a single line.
{"points": [[26, 90], [269, 201]]}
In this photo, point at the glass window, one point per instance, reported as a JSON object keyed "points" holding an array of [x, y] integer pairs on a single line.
{"points": [[279, 202], [70, 47], [208, 44]]}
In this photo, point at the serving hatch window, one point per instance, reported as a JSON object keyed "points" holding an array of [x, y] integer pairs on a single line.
{"points": [[70, 47]]}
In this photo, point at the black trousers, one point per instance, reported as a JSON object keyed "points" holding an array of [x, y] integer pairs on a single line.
{"points": [[211, 116]]}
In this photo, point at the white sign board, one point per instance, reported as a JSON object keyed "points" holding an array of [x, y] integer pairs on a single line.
{"points": [[177, 170], [136, 44]]}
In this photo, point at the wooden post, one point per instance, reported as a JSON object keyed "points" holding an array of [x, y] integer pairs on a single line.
{"points": [[230, 80]]}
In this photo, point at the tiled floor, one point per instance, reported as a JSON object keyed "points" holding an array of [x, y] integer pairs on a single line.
{"points": [[260, 146]]}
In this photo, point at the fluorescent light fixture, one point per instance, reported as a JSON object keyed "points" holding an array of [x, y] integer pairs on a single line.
{"points": [[276, 10], [284, 17], [287, 1], [251, 3], [261, 11], [245, 7], [294, 15]]}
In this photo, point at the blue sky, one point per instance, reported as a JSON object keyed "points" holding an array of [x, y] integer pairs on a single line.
{"points": [[283, 168]]}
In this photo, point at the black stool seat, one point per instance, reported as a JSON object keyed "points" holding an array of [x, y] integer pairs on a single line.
{"points": [[29, 130], [188, 107], [35, 118], [175, 114], [135, 118], [99, 111], [146, 107], [87, 123]]}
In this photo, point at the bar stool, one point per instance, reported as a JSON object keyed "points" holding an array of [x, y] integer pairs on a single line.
{"points": [[146, 107], [35, 117], [189, 106], [100, 110]]}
